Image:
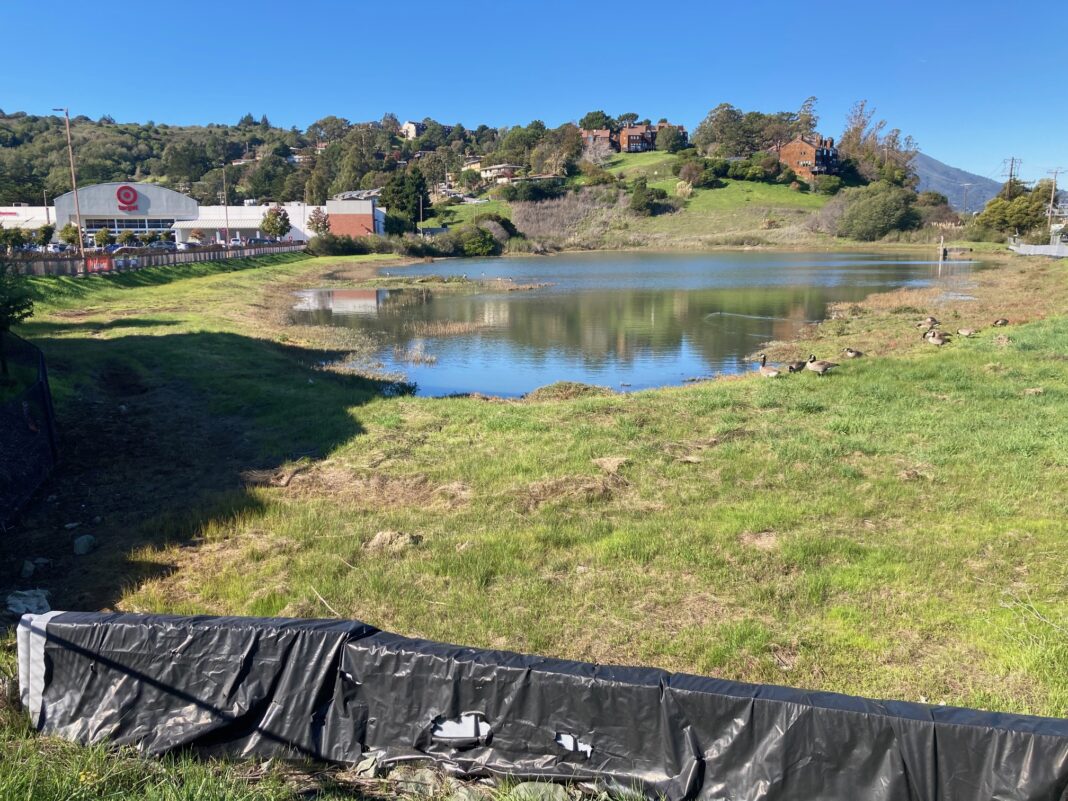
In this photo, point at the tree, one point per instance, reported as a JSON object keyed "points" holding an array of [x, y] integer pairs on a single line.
{"points": [[627, 119], [319, 221], [669, 139], [127, 238], [406, 198], [44, 234], [12, 238], [1024, 211], [275, 222], [69, 234], [16, 304], [469, 179], [197, 235], [103, 237], [597, 120], [877, 155]]}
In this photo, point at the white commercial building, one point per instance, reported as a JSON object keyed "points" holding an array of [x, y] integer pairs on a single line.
{"points": [[144, 208]]}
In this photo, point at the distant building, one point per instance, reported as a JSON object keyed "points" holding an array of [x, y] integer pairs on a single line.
{"points": [[601, 137], [412, 130], [501, 173], [356, 217], [641, 138], [809, 156], [143, 208]]}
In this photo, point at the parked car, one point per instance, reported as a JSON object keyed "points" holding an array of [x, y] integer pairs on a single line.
{"points": [[168, 247], [235, 242], [260, 241], [187, 245], [56, 247]]}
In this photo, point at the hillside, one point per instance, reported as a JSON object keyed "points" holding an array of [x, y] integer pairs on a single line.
{"points": [[937, 176]]}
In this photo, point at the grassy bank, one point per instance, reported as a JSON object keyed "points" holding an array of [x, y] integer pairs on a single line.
{"points": [[895, 529]]}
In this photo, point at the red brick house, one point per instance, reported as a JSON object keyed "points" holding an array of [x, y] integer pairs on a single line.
{"points": [[598, 136], [809, 156], [640, 138]]}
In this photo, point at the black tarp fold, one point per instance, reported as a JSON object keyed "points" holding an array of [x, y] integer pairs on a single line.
{"points": [[338, 691]]}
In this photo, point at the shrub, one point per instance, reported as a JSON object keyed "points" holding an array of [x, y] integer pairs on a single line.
{"points": [[531, 191], [646, 201], [594, 174], [876, 210], [338, 245], [475, 241], [492, 217], [828, 184]]}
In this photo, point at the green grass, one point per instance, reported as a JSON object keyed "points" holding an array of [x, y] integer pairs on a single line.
{"points": [[459, 215], [653, 164], [893, 530]]}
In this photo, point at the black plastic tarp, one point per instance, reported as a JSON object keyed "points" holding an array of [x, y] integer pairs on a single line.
{"points": [[338, 691]]}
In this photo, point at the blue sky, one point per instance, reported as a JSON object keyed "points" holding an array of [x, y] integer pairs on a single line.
{"points": [[974, 83]]}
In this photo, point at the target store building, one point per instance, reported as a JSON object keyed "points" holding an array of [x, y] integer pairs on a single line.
{"points": [[126, 207], [142, 208]]}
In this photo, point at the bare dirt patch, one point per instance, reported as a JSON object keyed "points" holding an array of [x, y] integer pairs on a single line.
{"points": [[761, 540], [689, 451], [392, 542], [378, 490], [585, 489]]}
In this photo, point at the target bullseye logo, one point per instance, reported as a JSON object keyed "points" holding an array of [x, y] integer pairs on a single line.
{"points": [[127, 197]]}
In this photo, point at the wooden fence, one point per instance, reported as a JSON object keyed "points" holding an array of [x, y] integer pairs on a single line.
{"points": [[124, 262]]}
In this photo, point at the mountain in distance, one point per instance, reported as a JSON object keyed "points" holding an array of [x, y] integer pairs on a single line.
{"points": [[938, 177]]}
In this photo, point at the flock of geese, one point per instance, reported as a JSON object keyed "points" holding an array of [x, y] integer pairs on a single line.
{"points": [[932, 335]]}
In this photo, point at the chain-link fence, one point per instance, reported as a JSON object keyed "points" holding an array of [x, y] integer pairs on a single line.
{"points": [[27, 424]]}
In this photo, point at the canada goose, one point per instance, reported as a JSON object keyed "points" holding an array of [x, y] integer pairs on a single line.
{"points": [[819, 367], [937, 338], [796, 367], [967, 332], [851, 353], [927, 322], [1001, 321], [767, 372]]}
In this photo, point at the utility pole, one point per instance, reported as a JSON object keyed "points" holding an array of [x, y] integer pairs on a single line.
{"points": [[226, 207], [74, 185], [1012, 170], [966, 197], [44, 194], [1052, 194]]}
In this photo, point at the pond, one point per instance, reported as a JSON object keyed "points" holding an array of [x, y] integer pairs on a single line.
{"points": [[628, 321]]}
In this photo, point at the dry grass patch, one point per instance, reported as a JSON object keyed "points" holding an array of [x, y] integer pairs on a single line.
{"points": [[379, 490], [568, 489]]}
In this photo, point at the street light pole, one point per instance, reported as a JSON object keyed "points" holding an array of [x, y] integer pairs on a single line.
{"points": [[226, 207], [74, 183]]}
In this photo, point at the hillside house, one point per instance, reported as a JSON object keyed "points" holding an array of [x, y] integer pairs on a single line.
{"points": [[599, 137], [809, 156], [500, 173], [641, 138]]}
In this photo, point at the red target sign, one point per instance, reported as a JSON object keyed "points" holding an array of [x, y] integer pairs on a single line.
{"points": [[127, 197]]}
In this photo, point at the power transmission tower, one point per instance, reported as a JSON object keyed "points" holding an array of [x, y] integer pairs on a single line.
{"points": [[966, 196]]}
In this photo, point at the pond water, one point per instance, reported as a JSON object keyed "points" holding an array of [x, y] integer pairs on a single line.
{"points": [[627, 321]]}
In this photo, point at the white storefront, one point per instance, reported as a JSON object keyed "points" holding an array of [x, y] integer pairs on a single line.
{"points": [[148, 208]]}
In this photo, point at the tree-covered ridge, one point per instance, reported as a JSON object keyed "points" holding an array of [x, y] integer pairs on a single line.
{"points": [[267, 162]]}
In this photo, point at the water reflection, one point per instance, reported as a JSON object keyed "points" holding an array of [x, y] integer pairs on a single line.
{"points": [[628, 321]]}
